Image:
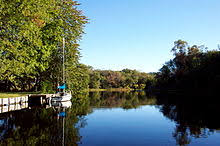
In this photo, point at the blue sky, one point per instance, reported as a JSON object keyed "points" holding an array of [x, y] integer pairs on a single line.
{"points": [[139, 34]]}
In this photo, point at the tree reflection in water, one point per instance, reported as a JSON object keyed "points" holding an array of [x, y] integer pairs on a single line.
{"points": [[194, 117], [126, 100], [42, 126]]}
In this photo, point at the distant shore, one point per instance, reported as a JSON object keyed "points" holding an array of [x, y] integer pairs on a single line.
{"points": [[19, 94], [111, 90]]}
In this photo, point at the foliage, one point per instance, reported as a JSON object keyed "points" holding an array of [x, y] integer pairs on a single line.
{"points": [[131, 79], [192, 68], [31, 34], [78, 78], [46, 87], [94, 79]]}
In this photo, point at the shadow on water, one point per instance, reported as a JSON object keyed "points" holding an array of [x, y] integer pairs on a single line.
{"points": [[195, 117], [43, 125], [57, 124]]}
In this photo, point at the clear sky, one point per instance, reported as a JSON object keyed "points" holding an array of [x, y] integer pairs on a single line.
{"points": [[139, 34]]}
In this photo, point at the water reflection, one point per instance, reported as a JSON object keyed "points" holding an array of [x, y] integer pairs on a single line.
{"points": [[195, 118], [61, 123], [125, 100], [57, 125]]}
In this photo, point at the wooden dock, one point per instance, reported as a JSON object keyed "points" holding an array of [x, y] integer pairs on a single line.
{"points": [[18, 103], [15, 100]]}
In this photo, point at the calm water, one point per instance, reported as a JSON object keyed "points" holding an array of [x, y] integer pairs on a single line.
{"points": [[119, 119]]}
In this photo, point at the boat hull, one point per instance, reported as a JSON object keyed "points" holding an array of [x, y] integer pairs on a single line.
{"points": [[65, 104], [66, 97]]}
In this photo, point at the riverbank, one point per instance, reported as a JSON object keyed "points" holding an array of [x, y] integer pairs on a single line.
{"points": [[15, 94], [111, 90]]}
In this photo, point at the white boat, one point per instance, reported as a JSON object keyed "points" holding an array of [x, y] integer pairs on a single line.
{"points": [[64, 104], [60, 97]]}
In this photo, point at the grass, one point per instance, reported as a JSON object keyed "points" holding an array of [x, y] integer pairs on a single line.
{"points": [[15, 94]]}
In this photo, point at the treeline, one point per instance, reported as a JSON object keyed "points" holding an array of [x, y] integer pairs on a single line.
{"points": [[31, 41], [193, 69], [126, 78]]}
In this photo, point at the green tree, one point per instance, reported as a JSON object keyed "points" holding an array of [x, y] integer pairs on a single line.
{"points": [[31, 34], [94, 77], [78, 78]]}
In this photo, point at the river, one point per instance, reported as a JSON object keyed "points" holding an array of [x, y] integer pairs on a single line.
{"points": [[114, 118]]}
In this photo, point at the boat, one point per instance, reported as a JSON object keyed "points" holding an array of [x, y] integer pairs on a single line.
{"points": [[63, 104], [62, 95]]}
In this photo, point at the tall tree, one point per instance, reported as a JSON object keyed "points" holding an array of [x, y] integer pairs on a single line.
{"points": [[31, 33]]}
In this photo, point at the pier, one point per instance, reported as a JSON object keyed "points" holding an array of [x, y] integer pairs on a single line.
{"points": [[18, 103]]}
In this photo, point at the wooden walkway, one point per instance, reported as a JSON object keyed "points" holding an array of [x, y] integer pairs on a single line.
{"points": [[18, 103]]}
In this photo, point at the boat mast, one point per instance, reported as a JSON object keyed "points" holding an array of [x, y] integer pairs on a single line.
{"points": [[63, 64]]}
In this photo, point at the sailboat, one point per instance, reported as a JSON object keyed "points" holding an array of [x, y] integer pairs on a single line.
{"points": [[63, 95]]}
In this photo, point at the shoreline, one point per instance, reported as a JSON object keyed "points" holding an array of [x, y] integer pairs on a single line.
{"points": [[16, 94], [112, 90]]}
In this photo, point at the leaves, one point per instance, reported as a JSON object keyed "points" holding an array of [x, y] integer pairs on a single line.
{"points": [[31, 33]]}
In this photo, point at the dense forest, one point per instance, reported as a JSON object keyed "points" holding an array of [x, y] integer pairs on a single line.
{"points": [[193, 69], [31, 40], [126, 78]]}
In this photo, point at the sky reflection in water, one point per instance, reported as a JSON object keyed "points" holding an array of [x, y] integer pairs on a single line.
{"points": [[119, 119], [142, 126]]}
